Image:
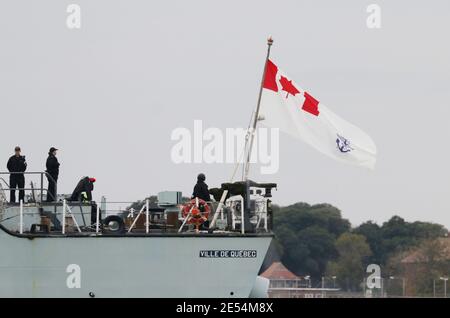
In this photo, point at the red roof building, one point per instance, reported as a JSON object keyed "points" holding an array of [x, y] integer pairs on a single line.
{"points": [[278, 271], [285, 284]]}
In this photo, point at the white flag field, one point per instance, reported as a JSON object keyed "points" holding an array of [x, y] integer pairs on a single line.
{"points": [[286, 106]]}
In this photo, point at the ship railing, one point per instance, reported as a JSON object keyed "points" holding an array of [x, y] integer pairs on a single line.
{"points": [[41, 188], [145, 208], [135, 217], [114, 208], [67, 210], [3, 201], [261, 214], [234, 219]]}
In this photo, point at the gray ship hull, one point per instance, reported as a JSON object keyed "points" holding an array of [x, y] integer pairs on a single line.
{"points": [[135, 266]]}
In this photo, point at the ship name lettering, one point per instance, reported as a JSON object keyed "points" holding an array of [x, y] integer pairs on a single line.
{"points": [[228, 254]]}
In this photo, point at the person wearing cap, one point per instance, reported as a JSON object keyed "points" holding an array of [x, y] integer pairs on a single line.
{"points": [[52, 166], [83, 190], [83, 193], [201, 189], [17, 165]]}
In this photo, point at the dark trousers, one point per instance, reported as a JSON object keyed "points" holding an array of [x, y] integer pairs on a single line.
{"points": [[51, 193], [16, 181], [94, 214]]}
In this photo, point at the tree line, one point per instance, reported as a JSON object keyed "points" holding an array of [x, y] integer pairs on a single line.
{"points": [[316, 241]]}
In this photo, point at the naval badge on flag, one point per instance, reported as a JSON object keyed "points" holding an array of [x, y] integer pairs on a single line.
{"points": [[287, 106]]}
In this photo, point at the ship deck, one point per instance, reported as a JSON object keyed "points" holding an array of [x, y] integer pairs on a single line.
{"points": [[134, 234]]}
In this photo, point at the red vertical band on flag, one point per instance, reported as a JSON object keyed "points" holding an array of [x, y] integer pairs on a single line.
{"points": [[270, 78], [311, 105]]}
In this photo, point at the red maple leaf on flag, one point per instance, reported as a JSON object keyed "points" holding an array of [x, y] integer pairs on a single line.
{"points": [[288, 87]]}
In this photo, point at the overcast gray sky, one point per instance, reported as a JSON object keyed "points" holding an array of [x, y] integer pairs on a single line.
{"points": [[110, 94]]}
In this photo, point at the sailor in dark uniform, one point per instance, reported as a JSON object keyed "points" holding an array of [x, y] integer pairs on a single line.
{"points": [[201, 189], [84, 186], [52, 166], [17, 165]]}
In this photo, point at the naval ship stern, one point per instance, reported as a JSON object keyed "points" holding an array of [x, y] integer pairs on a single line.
{"points": [[167, 248]]}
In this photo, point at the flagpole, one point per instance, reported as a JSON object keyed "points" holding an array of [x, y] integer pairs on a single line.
{"points": [[255, 119]]}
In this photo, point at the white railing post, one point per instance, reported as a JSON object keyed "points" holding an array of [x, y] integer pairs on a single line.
{"points": [[219, 206], [135, 220], [266, 225], [242, 216], [146, 216], [97, 219], [73, 218], [185, 219], [64, 217], [21, 217]]}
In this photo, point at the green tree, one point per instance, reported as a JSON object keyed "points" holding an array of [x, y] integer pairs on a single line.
{"points": [[396, 235], [350, 266], [374, 237], [307, 234]]}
